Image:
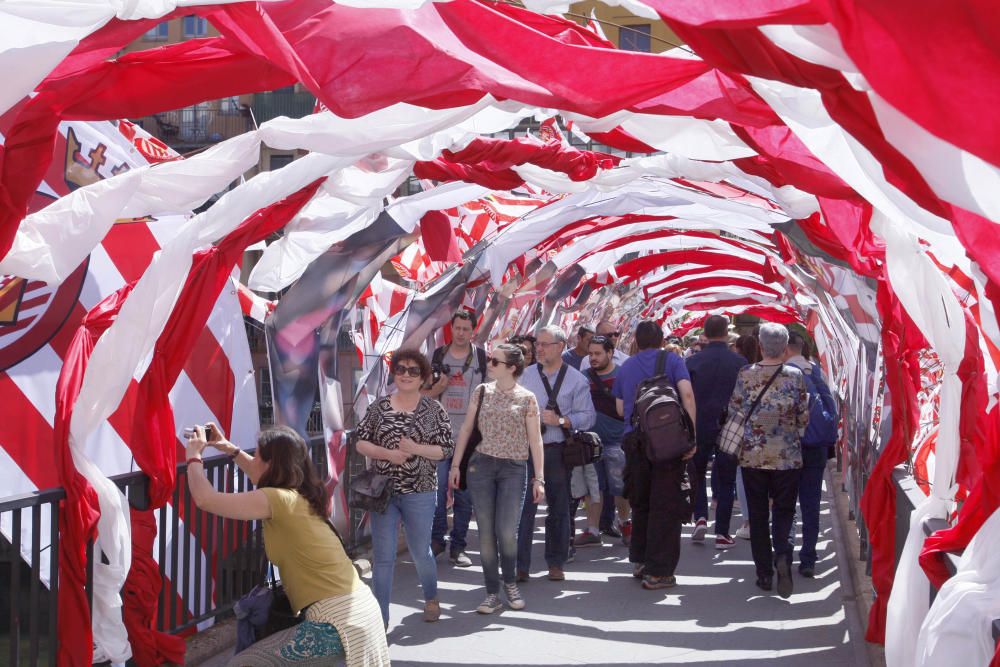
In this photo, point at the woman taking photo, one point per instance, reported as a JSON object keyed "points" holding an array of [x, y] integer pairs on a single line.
{"points": [[406, 434], [498, 469], [771, 454], [341, 615]]}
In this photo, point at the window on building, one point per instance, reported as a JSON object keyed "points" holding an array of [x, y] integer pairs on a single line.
{"points": [[195, 26], [635, 37], [158, 34], [279, 161]]}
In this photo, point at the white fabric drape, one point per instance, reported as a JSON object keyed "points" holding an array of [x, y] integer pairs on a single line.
{"points": [[959, 622], [932, 306]]}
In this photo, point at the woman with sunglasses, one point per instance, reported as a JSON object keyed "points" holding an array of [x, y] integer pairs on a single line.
{"points": [[498, 470], [406, 434]]}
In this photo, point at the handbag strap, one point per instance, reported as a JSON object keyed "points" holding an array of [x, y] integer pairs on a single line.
{"points": [[756, 402], [479, 403]]}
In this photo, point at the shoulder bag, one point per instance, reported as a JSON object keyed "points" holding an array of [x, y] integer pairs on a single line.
{"points": [[730, 440], [470, 447], [369, 491], [579, 447]]}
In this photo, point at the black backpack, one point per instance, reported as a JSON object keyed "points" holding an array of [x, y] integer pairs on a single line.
{"points": [[437, 358], [658, 414]]}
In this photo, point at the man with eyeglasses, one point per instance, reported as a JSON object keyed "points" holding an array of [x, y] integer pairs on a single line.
{"points": [[459, 368], [569, 408], [612, 333]]}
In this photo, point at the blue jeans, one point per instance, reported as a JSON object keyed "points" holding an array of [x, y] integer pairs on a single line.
{"points": [[462, 507], [557, 519], [810, 492], [497, 489], [416, 511]]}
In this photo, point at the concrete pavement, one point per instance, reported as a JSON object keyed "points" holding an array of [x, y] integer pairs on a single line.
{"points": [[601, 616]]}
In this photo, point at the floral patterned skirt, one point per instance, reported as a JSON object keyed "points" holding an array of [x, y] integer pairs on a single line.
{"points": [[308, 643], [317, 641]]}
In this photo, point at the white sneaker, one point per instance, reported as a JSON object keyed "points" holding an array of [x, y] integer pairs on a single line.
{"points": [[744, 532], [514, 599], [700, 528]]}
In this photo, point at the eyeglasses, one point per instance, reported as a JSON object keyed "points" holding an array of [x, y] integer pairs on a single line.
{"points": [[412, 371], [541, 344], [496, 362], [599, 340], [615, 334]]}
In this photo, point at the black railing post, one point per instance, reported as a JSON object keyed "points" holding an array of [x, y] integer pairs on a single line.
{"points": [[54, 583], [35, 585], [15, 585]]}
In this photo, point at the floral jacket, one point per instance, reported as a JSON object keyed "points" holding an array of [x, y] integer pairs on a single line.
{"points": [[771, 439]]}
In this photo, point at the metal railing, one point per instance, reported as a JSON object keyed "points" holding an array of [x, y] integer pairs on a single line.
{"points": [[197, 126], [282, 103], [28, 610]]}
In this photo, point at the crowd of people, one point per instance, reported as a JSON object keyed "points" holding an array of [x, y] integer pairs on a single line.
{"points": [[491, 430]]}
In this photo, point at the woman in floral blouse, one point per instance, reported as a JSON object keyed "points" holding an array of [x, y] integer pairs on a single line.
{"points": [[771, 456], [406, 434], [498, 469]]}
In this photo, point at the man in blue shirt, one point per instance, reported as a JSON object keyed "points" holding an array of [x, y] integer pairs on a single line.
{"points": [[575, 412], [713, 375], [658, 493], [574, 357]]}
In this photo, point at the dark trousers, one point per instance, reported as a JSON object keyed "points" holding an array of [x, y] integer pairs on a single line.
{"points": [[810, 491], [782, 488], [702, 456], [724, 491], [660, 504], [557, 518], [462, 508]]}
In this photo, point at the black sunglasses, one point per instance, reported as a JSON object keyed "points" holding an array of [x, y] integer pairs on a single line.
{"points": [[496, 362], [615, 334], [412, 371]]}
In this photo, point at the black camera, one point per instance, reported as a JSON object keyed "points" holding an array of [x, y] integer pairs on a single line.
{"points": [[439, 369]]}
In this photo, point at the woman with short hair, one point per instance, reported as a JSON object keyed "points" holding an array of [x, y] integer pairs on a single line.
{"points": [[498, 470], [771, 453], [406, 434], [341, 615]]}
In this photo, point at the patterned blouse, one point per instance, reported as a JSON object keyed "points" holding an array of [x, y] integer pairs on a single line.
{"points": [[428, 424], [502, 421], [772, 437]]}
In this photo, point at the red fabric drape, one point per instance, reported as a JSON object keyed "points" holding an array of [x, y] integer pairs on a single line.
{"points": [[154, 431], [438, 236], [979, 463], [900, 342], [79, 512], [488, 162], [153, 441]]}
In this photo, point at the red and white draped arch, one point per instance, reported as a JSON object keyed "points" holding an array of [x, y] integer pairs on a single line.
{"points": [[814, 161]]}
